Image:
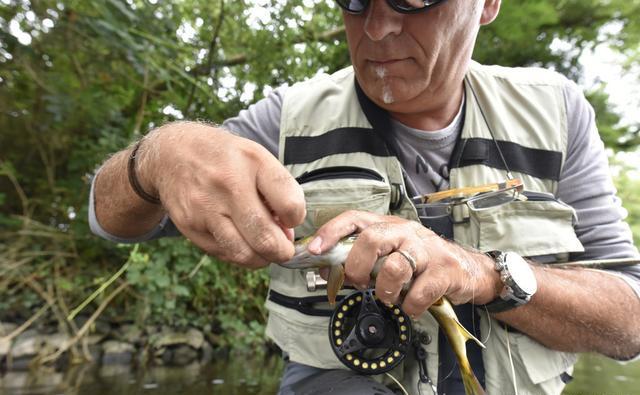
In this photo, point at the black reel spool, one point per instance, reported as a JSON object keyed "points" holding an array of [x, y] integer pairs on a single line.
{"points": [[367, 336]]}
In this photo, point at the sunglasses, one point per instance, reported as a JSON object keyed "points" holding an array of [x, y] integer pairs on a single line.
{"points": [[478, 198], [401, 6]]}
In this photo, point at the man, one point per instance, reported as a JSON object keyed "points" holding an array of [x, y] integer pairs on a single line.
{"points": [[412, 103]]}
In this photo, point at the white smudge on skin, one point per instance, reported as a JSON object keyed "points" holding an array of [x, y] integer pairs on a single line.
{"points": [[387, 96]]}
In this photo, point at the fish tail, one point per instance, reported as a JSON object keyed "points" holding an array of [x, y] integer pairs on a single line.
{"points": [[334, 284], [467, 335], [471, 384]]}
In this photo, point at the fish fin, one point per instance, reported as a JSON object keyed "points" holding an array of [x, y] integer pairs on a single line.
{"points": [[334, 284], [467, 335], [471, 384]]}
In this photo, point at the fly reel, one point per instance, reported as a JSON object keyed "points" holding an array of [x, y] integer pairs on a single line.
{"points": [[367, 336]]}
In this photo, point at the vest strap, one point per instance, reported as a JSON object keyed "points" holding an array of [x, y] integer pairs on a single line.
{"points": [[535, 162], [305, 149]]}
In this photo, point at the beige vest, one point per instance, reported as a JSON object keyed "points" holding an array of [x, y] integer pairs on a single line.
{"points": [[323, 127]]}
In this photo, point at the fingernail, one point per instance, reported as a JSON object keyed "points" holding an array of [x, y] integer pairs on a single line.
{"points": [[316, 245], [289, 233]]}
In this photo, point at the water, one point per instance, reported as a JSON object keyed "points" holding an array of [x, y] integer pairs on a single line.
{"points": [[254, 375], [239, 375]]}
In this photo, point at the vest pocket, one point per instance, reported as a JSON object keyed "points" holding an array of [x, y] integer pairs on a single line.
{"points": [[539, 226], [543, 364], [333, 190], [538, 369]]}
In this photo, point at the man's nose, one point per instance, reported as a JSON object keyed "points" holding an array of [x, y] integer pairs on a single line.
{"points": [[382, 20]]}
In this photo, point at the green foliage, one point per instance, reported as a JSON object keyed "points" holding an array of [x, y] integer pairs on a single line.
{"points": [[181, 287], [554, 34], [84, 78], [628, 185]]}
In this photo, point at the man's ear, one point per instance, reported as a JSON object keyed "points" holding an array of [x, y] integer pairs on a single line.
{"points": [[490, 11]]}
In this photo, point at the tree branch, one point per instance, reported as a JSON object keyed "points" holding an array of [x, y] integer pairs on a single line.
{"points": [[239, 59], [212, 48]]}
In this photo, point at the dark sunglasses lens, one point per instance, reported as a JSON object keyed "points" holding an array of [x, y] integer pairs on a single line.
{"points": [[405, 6], [355, 6]]}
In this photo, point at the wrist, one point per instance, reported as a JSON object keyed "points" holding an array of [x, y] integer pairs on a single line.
{"points": [[492, 285], [139, 172]]}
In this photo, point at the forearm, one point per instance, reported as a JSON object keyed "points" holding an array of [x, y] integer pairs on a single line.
{"points": [[225, 193], [580, 310], [119, 210]]}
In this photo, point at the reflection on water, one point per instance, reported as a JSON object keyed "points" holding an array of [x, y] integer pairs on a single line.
{"points": [[238, 375], [254, 375]]}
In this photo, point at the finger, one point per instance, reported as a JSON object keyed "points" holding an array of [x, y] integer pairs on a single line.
{"points": [[343, 225], [288, 232], [374, 241], [225, 243], [425, 290], [259, 228], [283, 195], [394, 274]]}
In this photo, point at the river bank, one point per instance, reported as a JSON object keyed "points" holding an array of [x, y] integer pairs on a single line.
{"points": [[106, 345], [125, 360]]}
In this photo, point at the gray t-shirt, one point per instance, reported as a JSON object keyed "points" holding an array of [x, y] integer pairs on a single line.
{"points": [[585, 182]]}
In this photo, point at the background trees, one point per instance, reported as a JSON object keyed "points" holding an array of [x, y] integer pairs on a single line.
{"points": [[81, 79]]}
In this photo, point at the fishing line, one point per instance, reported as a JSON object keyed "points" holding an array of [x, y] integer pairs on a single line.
{"points": [[450, 372], [513, 370], [398, 383], [490, 325]]}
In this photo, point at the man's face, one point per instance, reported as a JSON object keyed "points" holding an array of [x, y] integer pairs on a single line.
{"points": [[403, 60]]}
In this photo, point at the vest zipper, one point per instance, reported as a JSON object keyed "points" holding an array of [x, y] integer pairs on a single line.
{"points": [[351, 172], [339, 172]]}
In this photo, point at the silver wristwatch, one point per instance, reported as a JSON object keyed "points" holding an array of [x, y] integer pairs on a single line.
{"points": [[519, 281]]}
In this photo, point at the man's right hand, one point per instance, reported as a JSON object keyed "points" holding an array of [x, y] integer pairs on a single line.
{"points": [[227, 194]]}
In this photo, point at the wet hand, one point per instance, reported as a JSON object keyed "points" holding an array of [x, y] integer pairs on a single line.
{"points": [[227, 194]]}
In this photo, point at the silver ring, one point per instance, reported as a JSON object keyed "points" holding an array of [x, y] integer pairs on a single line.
{"points": [[409, 258]]}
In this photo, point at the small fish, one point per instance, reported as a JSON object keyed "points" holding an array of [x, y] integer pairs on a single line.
{"points": [[333, 259], [441, 310], [457, 335]]}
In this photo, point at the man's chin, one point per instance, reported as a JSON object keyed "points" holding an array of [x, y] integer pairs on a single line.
{"points": [[392, 94]]}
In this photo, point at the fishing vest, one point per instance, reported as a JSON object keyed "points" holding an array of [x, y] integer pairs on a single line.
{"points": [[328, 144]]}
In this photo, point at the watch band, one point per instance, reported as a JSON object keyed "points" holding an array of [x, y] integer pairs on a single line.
{"points": [[499, 305]]}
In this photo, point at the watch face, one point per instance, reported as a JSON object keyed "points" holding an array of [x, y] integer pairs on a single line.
{"points": [[521, 274]]}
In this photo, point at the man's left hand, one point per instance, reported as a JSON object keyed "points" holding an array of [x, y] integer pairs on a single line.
{"points": [[442, 268]]}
